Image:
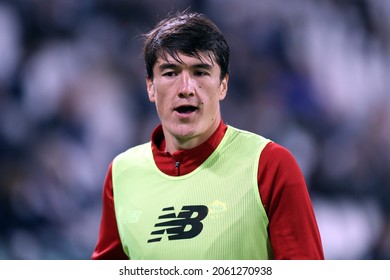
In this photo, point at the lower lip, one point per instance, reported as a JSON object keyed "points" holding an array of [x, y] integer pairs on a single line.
{"points": [[185, 115]]}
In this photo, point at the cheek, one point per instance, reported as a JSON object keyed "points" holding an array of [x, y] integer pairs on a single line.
{"points": [[161, 103]]}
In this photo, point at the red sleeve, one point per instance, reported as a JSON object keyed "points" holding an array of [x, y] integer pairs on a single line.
{"points": [[109, 246], [293, 228]]}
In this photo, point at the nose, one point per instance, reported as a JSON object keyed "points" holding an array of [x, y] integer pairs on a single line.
{"points": [[187, 86]]}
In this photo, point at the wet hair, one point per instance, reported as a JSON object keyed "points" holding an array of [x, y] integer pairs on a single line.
{"points": [[187, 33]]}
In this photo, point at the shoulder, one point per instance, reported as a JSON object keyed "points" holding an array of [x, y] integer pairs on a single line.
{"points": [[136, 154], [247, 137], [135, 151], [278, 162], [277, 152], [274, 153]]}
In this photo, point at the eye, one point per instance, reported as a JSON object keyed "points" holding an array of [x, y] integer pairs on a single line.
{"points": [[169, 74], [200, 73]]}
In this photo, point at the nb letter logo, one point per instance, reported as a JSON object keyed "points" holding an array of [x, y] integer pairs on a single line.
{"points": [[176, 226]]}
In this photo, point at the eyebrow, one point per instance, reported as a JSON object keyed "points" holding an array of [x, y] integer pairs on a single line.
{"points": [[206, 66], [164, 66]]}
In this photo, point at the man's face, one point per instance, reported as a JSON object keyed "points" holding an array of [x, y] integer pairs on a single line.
{"points": [[187, 96]]}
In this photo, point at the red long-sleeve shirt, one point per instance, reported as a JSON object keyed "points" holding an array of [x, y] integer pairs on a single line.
{"points": [[293, 227]]}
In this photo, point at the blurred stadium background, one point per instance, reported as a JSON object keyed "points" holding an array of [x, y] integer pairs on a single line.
{"points": [[311, 75]]}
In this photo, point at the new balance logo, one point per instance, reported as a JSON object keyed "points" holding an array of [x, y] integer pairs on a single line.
{"points": [[176, 226]]}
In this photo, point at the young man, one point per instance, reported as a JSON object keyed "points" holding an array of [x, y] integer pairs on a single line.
{"points": [[201, 189]]}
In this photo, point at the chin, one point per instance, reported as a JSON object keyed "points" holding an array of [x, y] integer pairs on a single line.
{"points": [[184, 131], [184, 134]]}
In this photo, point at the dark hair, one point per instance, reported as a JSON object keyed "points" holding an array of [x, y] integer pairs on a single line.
{"points": [[188, 33]]}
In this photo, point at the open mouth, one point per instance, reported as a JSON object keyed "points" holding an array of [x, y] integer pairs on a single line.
{"points": [[187, 109]]}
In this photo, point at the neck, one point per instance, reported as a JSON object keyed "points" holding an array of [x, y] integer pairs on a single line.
{"points": [[174, 144]]}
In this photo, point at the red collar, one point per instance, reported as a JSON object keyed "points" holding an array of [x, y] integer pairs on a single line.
{"points": [[188, 160]]}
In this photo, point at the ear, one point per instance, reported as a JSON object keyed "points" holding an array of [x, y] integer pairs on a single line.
{"points": [[224, 87], [150, 89]]}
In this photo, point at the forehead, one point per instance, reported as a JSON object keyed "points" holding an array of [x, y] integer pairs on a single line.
{"points": [[182, 58]]}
